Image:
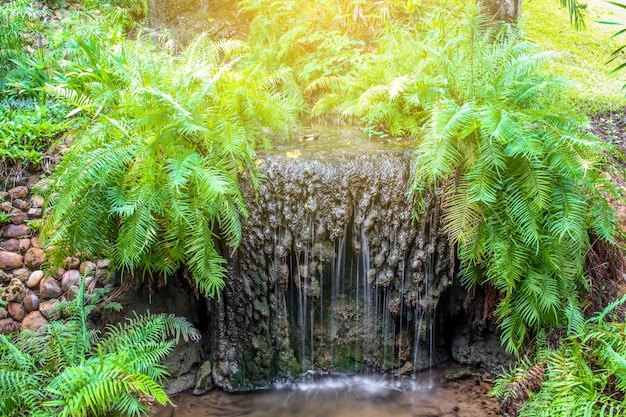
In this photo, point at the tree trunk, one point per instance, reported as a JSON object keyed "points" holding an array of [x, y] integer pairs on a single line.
{"points": [[503, 10]]}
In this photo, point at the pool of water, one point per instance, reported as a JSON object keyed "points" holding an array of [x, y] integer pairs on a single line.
{"points": [[346, 396]]}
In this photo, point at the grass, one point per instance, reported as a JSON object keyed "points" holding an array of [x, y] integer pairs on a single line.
{"points": [[581, 54]]}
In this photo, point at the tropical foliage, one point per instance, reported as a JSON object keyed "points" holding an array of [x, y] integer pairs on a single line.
{"points": [[156, 177], [70, 370], [584, 375]]}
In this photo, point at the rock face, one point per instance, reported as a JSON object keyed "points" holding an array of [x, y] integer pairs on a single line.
{"points": [[332, 273]]}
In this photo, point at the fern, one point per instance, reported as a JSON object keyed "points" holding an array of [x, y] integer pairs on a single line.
{"points": [[157, 176], [70, 371]]}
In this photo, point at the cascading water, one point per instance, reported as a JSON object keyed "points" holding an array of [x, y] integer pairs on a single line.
{"points": [[333, 273]]}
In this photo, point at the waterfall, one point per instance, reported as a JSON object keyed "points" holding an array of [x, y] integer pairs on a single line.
{"points": [[333, 273]]}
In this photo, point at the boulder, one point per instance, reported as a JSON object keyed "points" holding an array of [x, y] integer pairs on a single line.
{"points": [[34, 258], [3, 313], [204, 381], [36, 201], [34, 212], [22, 274], [71, 263], [6, 206], [46, 308], [88, 268], [36, 322], [9, 326], [16, 230], [11, 260], [31, 303], [14, 292], [34, 279], [20, 204], [24, 244], [103, 263], [20, 191], [70, 278], [18, 216], [5, 278], [72, 292], [34, 242], [12, 245], [49, 288], [16, 311]]}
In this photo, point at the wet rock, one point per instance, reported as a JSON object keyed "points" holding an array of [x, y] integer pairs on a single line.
{"points": [[407, 369], [20, 191], [48, 310], [204, 381], [34, 257], [70, 278], [34, 279], [36, 322], [16, 230], [11, 260], [181, 364], [16, 311], [12, 245], [14, 292], [31, 303], [22, 274], [49, 288]]}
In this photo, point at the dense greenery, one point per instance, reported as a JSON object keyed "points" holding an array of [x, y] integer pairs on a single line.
{"points": [[584, 375], [70, 370], [160, 136]]}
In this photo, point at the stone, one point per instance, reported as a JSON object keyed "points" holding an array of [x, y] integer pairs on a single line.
{"points": [[34, 242], [46, 308], [6, 206], [36, 322], [70, 278], [5, 278], [103, 276], [34, 279], [12, 245], [31, 303], [71, 263], [204, 380], [20, 191], [34, 212], [60, 273], [22, 274], [49, 288], [20, 204], [24, 244], [14, 292], [406, 369], [16, 311], [72, 292], [9, 326], [16, 230], [3, 313], [87, 268], [103, 263], [18, 216], [36, 201], [11, 260], [34, 258]]}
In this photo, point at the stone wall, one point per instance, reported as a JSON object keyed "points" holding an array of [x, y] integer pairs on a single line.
{"points": [[28, 289]]}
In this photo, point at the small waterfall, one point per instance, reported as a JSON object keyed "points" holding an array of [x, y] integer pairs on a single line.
{"points": [[332, 274]]}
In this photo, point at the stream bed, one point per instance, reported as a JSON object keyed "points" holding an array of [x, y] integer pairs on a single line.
{"points": [[360, 395]]}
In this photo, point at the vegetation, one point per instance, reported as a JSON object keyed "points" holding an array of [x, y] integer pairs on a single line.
{"points": [[160, 135], [583, 375], [70, 370]]}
